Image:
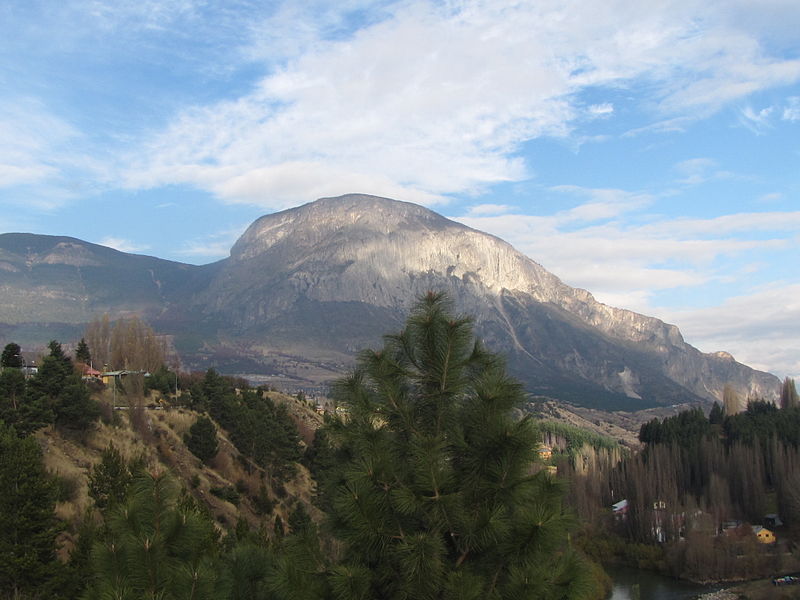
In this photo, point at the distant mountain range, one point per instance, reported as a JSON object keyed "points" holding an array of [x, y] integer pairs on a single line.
{"points": [[304, 289]]}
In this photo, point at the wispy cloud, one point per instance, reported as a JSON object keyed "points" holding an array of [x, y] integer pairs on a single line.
{"points": [[123, 245], [31, 142], [625, 256], [212, 247], [695, 171], [791, 111], [761, 329], [757, 121], [479, 210], [447, 114]]}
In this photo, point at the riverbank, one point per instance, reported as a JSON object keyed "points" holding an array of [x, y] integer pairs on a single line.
{"points": [[762, 589], [723, 595]]}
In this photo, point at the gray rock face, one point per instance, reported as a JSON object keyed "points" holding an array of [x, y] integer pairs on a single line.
{"points": [[330, 277], [361, 261]]}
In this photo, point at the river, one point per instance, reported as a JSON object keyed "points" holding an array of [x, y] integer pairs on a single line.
{"points": [[634, 584]]}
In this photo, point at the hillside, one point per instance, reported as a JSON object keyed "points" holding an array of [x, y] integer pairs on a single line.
{"points": [[230, 487]]}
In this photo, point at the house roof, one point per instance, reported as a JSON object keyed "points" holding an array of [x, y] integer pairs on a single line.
{"points": [[621, 505], [758, 529]]}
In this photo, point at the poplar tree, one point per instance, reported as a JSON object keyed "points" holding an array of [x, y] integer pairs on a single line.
{"points": [[789, 397], [731, 404], [434, 496]]}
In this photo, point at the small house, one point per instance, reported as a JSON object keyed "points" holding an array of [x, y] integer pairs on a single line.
{"points": [[545, 452], [764, 535]]}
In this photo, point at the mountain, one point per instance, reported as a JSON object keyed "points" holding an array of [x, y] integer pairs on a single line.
{"points": [[319, 282]]}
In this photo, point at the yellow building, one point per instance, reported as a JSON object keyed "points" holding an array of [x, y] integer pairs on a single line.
{"points": [[545, 452], [764, 535]]}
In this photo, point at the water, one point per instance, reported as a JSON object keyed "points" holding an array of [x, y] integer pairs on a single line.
{"points": [[633, 584]]}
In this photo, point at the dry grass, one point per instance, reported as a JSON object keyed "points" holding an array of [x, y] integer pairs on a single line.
{"points": [[158, 438]]}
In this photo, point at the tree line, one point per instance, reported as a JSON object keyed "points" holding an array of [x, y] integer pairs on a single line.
{"points": [[694, 474]]}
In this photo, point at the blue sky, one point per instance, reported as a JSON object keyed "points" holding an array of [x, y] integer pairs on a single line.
{"points": [[646, 151]]}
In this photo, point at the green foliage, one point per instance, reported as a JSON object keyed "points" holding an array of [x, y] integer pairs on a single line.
{"points": [[66, 487], [685, 428], [262, 503], [434, 497], [299, 519], [716, 416], [28, 527], [155, 547], [162, 380], [577, 437], [202, 439], [74, 407], [227, 493], [82, 353], [110, 478], [11, 357], [55, 394], [20, 406], [259, 428], [762, 420]]}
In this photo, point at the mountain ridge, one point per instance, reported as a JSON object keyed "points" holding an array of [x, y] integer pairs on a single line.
{"points": [[330, 277]]}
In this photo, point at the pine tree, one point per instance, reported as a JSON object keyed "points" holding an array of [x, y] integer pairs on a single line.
{"points": [[28, 526], [435, 497], [715, 417], [19, 407], [58, 392], [109, 479], [155, 548], [82, 353], [11, 357], [202, 439]]}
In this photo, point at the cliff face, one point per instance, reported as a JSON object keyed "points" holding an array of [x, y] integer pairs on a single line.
{"points": [[330, 277], [361, 260]]}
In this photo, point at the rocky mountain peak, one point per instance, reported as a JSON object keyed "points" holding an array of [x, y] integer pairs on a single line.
{"points": [[339, 216]]}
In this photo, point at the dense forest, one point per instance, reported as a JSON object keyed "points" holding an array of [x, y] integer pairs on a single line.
{"points": [[425, 485], [698, 493]]}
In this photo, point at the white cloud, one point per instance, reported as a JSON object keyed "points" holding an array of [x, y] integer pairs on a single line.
{"points": [[792, 110], [606, 203], [757, 122], [625, 256], [770, 198], [694, 170], [122, 244], [31, 140], [600, 110], [430, 100], [761, 329], [212, 247], [480, 210]]}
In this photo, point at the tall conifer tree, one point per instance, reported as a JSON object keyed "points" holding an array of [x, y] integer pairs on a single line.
{"points": [[155, 547], [435, 497], [28, 526]]}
